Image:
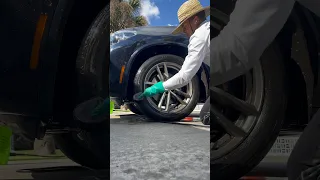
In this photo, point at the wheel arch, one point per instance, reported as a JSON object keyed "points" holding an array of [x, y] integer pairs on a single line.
{"points": [[147, 51]]}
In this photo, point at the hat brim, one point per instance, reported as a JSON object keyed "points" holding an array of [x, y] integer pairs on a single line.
{"points": [[179, 29]]}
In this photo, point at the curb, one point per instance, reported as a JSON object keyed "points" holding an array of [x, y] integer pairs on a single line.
{"points": [[193, 117]]}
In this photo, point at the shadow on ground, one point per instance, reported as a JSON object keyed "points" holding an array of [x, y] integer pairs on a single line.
{"points": [[63, 173]]}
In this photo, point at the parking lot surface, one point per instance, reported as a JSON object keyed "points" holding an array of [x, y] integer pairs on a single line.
{"points": [[143, 149]]}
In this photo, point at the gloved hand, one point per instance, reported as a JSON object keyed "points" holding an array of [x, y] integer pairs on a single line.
{"points": [[153, 90]]}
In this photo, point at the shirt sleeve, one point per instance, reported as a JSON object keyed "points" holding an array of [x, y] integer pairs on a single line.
{"points": [[193, 61], [253, 26]]}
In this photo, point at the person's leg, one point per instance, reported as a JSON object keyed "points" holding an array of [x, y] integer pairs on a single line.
{"points": [[307, 149], [205, 113]]}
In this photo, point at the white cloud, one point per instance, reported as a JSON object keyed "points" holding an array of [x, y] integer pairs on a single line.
{"points": [[172, 25], [149, 10]]}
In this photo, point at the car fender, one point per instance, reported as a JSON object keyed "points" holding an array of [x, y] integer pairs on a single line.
{"points": [[134, 55], [142, 48]]}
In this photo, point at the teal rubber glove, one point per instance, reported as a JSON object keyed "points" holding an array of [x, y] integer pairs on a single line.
{"points": [[153, 90]]}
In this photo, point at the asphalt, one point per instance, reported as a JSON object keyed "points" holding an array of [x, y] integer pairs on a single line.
{"points": [[140, 149]]}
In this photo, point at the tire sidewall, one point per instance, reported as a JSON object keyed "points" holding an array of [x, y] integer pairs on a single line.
{"points": [[254, 148], [90, 150]]}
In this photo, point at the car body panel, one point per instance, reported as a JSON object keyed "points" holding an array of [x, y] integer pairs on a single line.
{"points": [[26, 91], [20, 84]]}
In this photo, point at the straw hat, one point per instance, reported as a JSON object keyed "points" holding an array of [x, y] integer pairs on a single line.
{"points": [[187, 10]]}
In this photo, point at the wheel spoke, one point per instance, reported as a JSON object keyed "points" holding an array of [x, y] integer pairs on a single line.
{"points": [[161, 100], [178, 98], [168, 100], [159, 73], [227, 124], [227, 99], [183, 93], [149, 83], [166, 73]]}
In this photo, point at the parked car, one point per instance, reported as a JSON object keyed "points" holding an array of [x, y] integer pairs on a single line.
{"points": [[54, 57], [142, 56], [280, 93]]}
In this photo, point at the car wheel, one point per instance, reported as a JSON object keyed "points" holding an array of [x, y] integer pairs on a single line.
{"points": [[72, 145], [247, 116], [134, 108], [89, 146], [172, 105]]}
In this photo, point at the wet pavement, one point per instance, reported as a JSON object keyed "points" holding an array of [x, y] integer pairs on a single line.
{"points": [[142, 149]]}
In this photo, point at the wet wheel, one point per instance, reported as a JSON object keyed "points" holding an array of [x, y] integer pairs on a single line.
{"points": [[247, 115], [89, 147], [172, 105]]}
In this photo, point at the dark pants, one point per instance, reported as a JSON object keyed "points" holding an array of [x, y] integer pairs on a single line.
{"points": [[205, 112], [306, 152]]}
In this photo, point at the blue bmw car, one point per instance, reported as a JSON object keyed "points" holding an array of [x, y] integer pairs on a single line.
{"points": [[142, 56]]}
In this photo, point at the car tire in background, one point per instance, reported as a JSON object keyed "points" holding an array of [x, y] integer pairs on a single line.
{"points": [[233, 156], [250, 150], [89, 147], [148, 106]]}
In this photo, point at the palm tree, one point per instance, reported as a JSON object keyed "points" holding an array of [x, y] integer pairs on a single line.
{"points": [[125, 14]]}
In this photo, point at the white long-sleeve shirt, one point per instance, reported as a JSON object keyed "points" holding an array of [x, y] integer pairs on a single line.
{"points": [[198, 52]]}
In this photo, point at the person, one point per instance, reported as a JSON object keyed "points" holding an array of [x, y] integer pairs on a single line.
{"points": [[192, 21], [252, 27]]}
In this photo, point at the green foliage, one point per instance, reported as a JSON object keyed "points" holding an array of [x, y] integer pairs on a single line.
{"points": [[125, 14]]}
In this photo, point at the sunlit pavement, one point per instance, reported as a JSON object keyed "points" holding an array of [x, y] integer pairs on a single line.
{"points": [[142, 149]]}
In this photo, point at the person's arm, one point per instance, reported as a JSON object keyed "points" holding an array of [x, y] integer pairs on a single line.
{"points": [[253, 25], [196, 53]]}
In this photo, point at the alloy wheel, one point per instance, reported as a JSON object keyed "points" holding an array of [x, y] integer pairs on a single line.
{"points": [[169, 101], [235, 105]]}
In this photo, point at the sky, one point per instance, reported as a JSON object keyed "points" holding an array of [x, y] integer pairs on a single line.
{"points": [[163, 12]]}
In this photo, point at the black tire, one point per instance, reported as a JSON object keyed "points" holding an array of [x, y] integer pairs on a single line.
{"points": [[256, 145], [134, 108], [72, 147], [146, 107], [89, 149]]}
